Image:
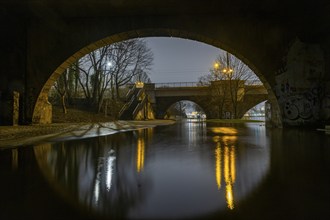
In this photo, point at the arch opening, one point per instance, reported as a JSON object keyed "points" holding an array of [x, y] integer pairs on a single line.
{"points": [[185, 109], [42, 100], [257, 112]]}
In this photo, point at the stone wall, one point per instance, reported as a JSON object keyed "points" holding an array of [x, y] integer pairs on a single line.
{"points": [[300, 88]]}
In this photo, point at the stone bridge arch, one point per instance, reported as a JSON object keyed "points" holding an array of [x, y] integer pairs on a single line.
{"points": [[253, 101], [48, 76], [250, 101], [42, 38], [164, 103]]}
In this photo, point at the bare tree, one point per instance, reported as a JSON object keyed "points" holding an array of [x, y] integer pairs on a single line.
{"points": [[61, 88], [228, 82], [131, 59], [111, 67], [141, 77], [95, 75], [66, 86], [177, 109], [218, 91]]}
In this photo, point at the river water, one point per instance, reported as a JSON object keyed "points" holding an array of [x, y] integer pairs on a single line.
{"points": [[189, 170]]}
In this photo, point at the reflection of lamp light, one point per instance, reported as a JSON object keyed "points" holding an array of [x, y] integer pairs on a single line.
{"points": [[232, 164], [218, 165], [109, 171], [229, 166], [224, 130], [229, 196], [229, 173], [140, 153]]}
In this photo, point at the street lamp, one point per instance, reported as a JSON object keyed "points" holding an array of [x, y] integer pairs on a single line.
{"points": [[216, 65], [226, 70]]}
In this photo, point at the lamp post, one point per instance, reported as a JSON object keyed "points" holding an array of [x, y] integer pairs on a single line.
{"points": [[226, 70]]}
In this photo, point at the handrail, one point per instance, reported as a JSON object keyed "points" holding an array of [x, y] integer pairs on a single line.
{"points": [[176, 84], [130, 91], [127, 104], [139, 93], [197, 84], [139, 106]]}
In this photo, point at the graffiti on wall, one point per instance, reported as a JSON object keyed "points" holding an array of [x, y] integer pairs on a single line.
{"points": [[299, 89], [301, 106]]}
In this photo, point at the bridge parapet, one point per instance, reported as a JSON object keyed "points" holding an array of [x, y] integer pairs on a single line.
{"points": [[178, 84], [198, 84]]}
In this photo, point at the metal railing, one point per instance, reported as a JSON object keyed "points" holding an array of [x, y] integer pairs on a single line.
{"points": [[177, 84], [196, 84], [139, 106]]}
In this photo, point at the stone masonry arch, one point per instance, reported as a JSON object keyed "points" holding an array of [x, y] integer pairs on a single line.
{"points": [[166, 97], [164, 103], [42, 38], [251, 104], [41, 102]]}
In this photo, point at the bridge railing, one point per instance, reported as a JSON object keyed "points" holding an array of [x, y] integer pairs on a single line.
{"points": [[177, 84], [196, 84]]}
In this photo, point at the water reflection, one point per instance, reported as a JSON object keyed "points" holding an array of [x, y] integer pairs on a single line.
{"points": [[195, 129], [14, 161], [164, 172], [143, 138], [226, 144]]}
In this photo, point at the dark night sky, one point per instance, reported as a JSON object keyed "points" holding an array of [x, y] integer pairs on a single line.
{"points": [[180, 60]]}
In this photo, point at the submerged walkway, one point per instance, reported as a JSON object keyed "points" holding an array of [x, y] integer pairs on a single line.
{"points": [[14, 136]]}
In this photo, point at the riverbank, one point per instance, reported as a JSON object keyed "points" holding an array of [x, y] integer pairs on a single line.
{"points": [[14, 136]]}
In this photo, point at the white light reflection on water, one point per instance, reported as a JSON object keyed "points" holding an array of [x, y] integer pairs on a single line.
{"points": [[109, 171]]}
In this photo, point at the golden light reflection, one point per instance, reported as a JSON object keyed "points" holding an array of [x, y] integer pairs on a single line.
{"points": [[229, 173], [229, 140], [226, 165], [140, 152], [216, 139], [229, 196], [232, 164], [225, 149], [224, 130], [150, 132], [218, 165]]}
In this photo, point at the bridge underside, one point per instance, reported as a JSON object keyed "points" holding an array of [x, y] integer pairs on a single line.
{"points": [[287, 45]]}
